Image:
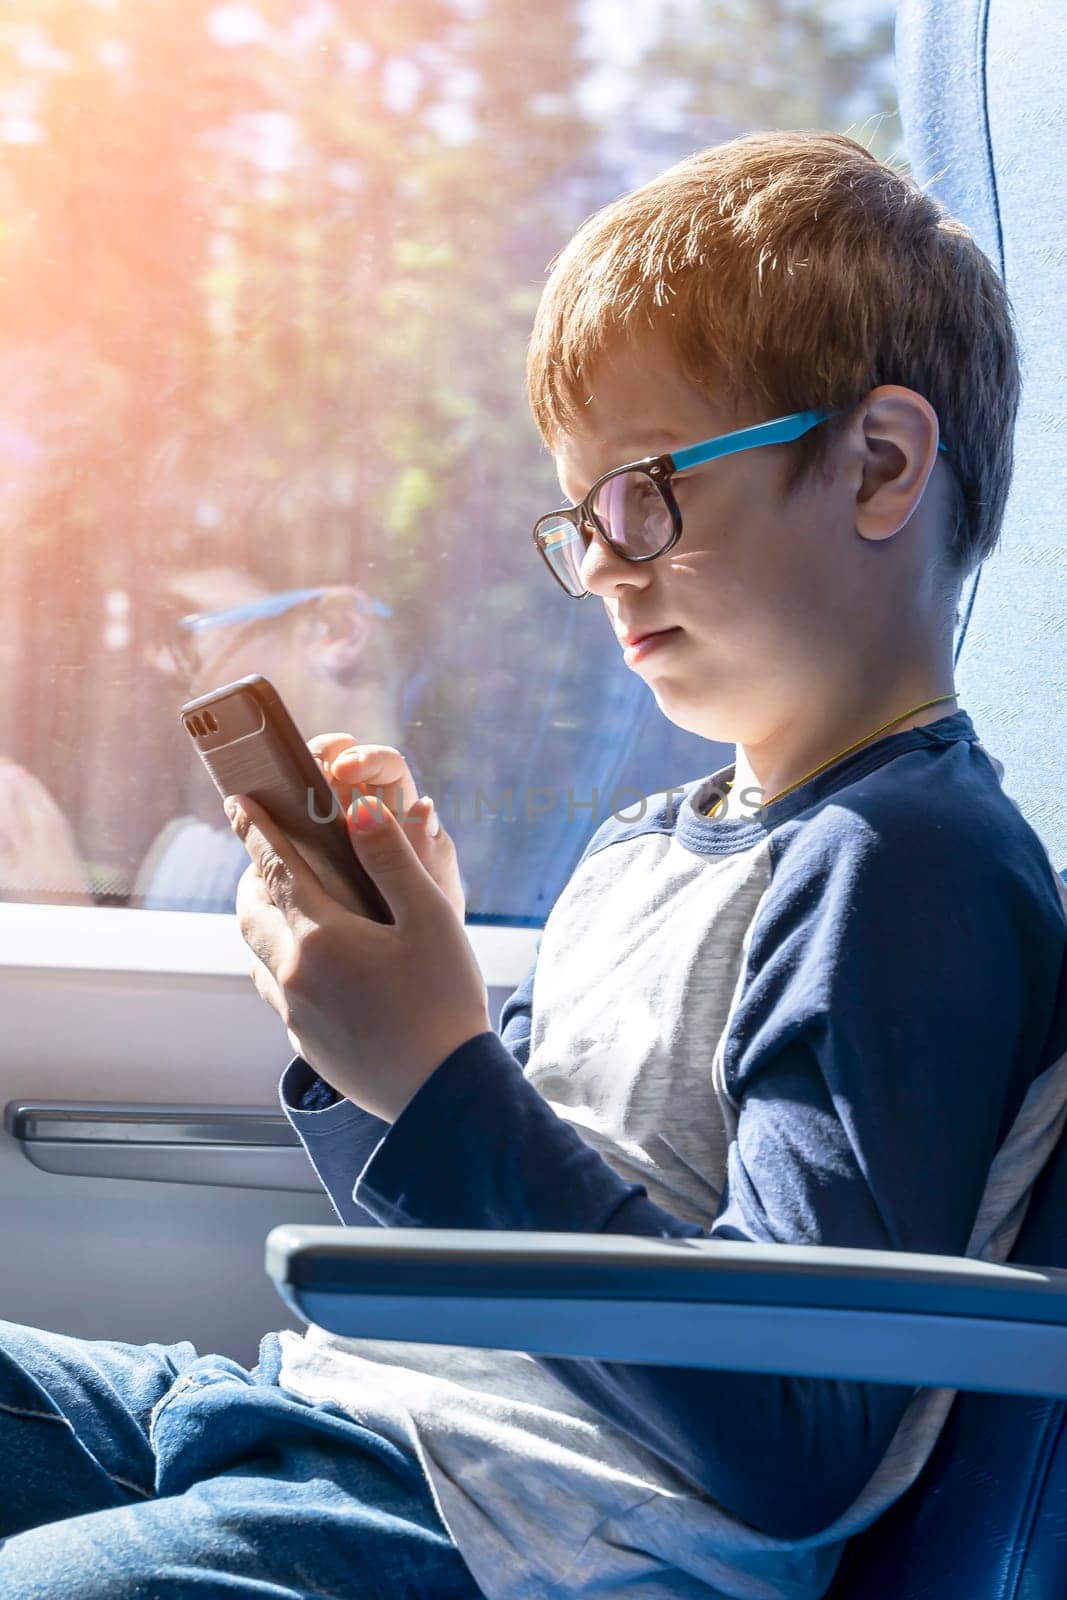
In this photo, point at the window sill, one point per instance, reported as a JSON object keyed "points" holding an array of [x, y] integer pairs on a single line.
{"points": [[198, 943]]}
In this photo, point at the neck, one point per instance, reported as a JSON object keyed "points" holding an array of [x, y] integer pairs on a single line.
{"points": [[791, 752]]}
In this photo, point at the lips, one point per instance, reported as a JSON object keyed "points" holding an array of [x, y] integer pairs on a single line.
{"points": [[629, 639]]}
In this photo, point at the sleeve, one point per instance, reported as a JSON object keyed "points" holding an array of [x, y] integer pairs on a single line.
{"points": [[516, 1015], [880, 1040], [339, 1137]]}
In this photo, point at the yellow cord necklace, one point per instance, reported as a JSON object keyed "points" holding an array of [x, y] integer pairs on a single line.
{"points": [[839, 754]]}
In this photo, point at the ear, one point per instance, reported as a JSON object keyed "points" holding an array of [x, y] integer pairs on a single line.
{"points": [[894, 435]]}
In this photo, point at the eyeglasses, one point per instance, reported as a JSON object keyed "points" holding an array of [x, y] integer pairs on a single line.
{"points": [[633, 507], [346, 599], [274, 605]]}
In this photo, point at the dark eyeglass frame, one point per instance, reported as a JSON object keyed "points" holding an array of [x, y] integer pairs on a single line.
{"points": [[661, 469]]}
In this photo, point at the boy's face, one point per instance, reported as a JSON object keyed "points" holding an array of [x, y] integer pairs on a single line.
{"points": [[757, 589]]}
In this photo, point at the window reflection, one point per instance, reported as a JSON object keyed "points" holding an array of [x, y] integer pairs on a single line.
{"points": [[267, 278]]}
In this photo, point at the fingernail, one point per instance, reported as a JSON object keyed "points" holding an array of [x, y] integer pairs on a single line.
{"points": [[365, 813], [232, 809], [353, 753], [433, 821]]}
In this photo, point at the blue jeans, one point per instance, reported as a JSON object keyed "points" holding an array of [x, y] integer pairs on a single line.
{"points": [[147, 1472]]}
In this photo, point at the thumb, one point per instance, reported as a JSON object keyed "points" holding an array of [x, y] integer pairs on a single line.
{"points": [[387, 853]]}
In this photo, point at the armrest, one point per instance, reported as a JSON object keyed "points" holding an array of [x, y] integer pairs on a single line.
{"points": [[868, 1315]]}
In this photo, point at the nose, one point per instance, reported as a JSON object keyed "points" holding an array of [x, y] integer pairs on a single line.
{"points": [[603, 570]]}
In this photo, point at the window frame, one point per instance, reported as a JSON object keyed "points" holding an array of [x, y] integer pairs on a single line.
{"points": [[159, 1005]]}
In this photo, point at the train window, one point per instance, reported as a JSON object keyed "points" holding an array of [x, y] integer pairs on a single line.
{"points": [[267, 278]]}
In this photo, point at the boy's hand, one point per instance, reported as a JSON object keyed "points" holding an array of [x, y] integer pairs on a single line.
{"points": [[374, 1008], [352, 769]]}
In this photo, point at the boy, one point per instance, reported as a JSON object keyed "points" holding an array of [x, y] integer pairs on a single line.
{"points": [[837, 1017]]}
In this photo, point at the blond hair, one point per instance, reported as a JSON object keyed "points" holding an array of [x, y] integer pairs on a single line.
{"points": [[795, 271]]}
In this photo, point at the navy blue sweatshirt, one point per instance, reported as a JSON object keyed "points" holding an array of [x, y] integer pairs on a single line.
{"points": [[816, 1024]]}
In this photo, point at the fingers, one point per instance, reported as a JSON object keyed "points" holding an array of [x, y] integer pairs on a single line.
{"points": [[288, 881], [328, 745], [370, 767], [421, 829], [324, 746], [374, 767], [343, 792], [366, 769], [265, 931], [381, 771], [434, 848], [422, 826], [431, 820]]}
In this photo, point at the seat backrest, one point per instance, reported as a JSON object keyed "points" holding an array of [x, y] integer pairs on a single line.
{"points": [[986, 1518], [983, 103], [984, 115]]}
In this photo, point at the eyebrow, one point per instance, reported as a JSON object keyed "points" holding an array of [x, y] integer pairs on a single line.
{"points": [[659, 433], [668, 434]]}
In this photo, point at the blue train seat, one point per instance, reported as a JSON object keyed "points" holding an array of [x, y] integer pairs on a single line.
{"points": [[987, 1517]]}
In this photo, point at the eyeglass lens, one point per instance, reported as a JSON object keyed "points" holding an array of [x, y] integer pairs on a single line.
{"points": [[629, 509], [633, 513]]}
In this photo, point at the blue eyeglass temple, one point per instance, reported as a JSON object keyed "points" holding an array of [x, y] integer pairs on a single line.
{"points": [[273, 605], [779, 431]]}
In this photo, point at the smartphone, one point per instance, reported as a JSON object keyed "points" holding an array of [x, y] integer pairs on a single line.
{"points": [[250, 745]]}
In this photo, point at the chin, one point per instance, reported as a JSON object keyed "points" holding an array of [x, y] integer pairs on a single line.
{"points": [[694, 715]]}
